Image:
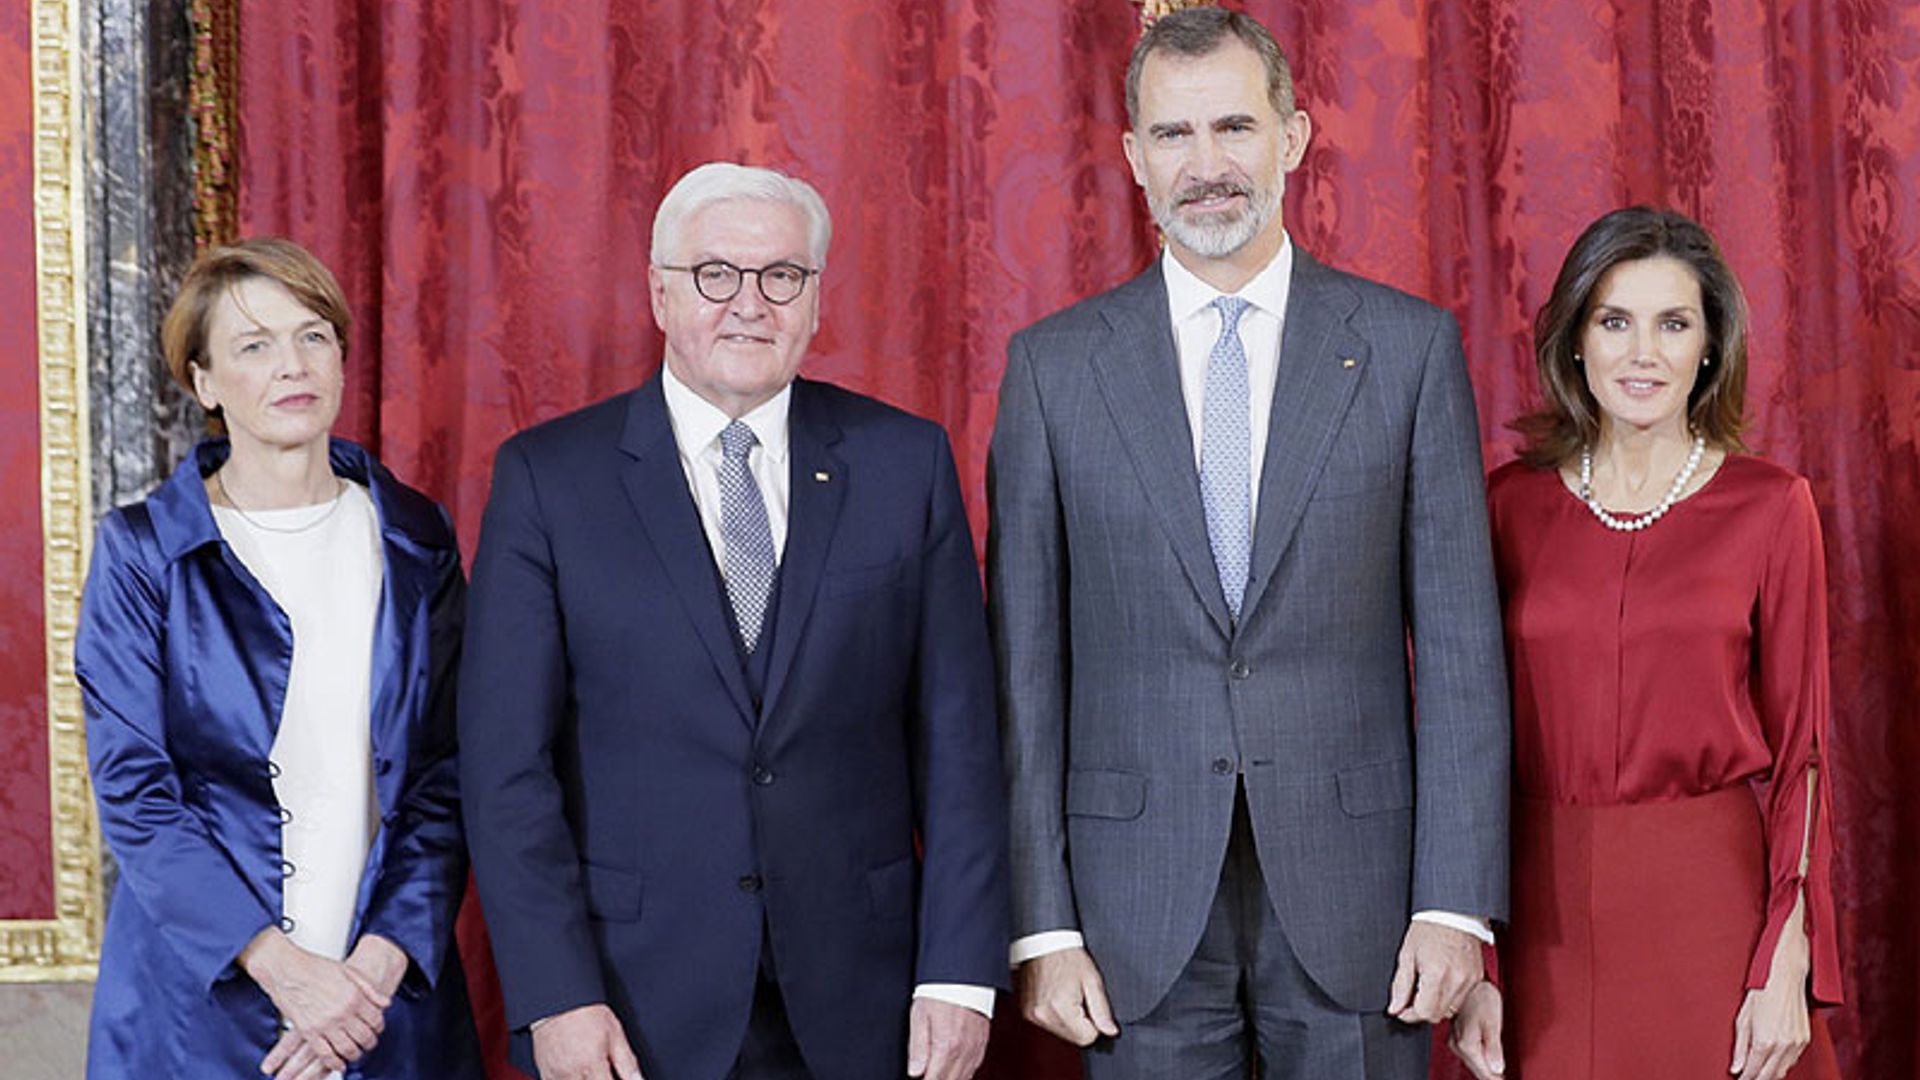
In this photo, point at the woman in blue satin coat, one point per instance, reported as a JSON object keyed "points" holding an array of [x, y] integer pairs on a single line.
{"points": [[267, 647]]}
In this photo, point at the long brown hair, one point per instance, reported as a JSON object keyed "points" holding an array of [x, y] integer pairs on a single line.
{"points": [[1569, 418]]}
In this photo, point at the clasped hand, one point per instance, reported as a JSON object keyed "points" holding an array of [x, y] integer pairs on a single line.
{"points": [[335, 1009]]}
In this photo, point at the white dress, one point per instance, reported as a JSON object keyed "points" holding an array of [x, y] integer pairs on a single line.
{"points": [[322, 565]]}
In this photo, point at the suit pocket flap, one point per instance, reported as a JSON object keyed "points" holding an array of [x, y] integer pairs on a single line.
{"points": [[890, 889], [1376, 788], [611, 894], [1107, 793]]}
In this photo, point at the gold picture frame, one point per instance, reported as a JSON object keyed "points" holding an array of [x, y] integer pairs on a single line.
{"points": [[67, 946]]}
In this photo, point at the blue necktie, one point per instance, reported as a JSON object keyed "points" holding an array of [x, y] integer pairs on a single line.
{"points": [[745, 534], [1226, 455]]}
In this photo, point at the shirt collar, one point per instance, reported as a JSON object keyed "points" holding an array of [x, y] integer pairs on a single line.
{"points": [[697, 422], [1187, 295]]}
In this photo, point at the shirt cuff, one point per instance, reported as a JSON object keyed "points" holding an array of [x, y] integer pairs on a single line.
{"points": [[1466, 924], [1047, 941], [965, 995]]}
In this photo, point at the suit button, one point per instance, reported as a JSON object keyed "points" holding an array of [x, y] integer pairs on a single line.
{"points": [[1239, 669], [762, 775], [286, 868], [286, 924], [273, 770], [1221, 766], [286, 816], [750, 883]]}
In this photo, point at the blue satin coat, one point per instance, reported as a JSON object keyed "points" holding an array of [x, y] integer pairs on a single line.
{"points": [[183, 659]]}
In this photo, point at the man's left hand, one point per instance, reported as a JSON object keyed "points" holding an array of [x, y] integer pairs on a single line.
{"points": [[1437, 966], [945, 1041]]}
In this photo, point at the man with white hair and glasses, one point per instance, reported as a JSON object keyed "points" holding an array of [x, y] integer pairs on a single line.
{"points": [[729, 759]]}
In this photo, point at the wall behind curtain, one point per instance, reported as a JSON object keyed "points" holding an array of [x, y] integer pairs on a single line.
{"points": [[483, 175]]}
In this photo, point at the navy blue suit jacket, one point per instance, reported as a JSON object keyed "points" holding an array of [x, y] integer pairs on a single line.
{"points": [[635, 822]]}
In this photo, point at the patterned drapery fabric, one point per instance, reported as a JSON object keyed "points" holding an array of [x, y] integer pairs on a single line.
{"points": [[483, 175]]}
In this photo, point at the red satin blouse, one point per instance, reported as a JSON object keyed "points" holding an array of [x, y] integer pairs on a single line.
{"points": [[1678, 660]]}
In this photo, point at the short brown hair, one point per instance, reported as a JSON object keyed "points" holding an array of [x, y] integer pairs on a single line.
{"points": [[1569, 418], [1198, 31], [183, 336]]}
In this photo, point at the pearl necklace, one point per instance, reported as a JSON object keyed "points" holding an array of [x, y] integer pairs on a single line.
{"points": [[1651, 516]]}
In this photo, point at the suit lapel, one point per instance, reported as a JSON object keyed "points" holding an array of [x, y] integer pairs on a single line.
{"points": [[816, 488], [1321, 363], [657, 486], [1138, 370]]}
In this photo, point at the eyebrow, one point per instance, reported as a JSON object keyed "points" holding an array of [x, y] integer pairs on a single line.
{"points": [[1679, 309], [1170, 127], [257, 328]]}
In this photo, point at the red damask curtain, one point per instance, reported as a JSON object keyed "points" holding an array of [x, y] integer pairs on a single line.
{"points": [[482, 175]]}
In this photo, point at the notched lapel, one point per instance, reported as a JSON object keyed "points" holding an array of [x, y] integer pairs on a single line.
{"points": [[1138, 370], [1322, 360], [813, 515], [664, 509]]}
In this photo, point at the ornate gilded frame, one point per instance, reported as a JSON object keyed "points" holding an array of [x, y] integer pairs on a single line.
{"points": [[66, 946]]}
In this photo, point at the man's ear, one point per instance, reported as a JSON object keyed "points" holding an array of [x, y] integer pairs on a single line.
{"points": [[1130, 146], [1298, 130], [657, 296]]}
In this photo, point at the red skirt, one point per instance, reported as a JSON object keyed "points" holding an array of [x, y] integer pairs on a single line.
{"points": [[1632, 929]]}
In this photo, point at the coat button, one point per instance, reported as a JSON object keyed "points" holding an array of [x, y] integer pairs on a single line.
{"points": [[286, 816], [286, 868], [750, 883], [286, 924], [1221, 766], [762, 775], [273, 770], [1239, 669]]}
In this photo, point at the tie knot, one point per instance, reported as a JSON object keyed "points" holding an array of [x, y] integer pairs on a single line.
{"points": [[1231, 308], [736, 439]]}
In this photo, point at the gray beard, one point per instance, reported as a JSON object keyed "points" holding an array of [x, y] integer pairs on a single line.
{"points": [[1219, 239]]}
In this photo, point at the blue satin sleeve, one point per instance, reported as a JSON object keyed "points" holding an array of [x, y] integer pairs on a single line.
{"points": [[169, 854], [424, 876]]}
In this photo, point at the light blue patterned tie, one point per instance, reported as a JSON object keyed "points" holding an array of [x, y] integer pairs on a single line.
{"points": [[1226, 455], [744, 532]]}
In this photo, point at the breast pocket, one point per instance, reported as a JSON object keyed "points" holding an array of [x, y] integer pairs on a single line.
{"points": [[1367, 455], [855, 580]]}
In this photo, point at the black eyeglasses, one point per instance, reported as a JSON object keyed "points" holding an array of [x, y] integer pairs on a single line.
{"points": [[718, 281]]}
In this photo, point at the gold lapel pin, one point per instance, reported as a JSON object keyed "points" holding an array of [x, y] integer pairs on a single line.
{"points": [[820, 477], [1348, 362]]}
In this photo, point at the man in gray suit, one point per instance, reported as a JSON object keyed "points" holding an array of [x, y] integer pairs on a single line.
{"points": [[1227, 496]]}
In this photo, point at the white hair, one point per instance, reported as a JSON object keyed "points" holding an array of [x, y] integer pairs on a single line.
{"points": [[720, 181]]}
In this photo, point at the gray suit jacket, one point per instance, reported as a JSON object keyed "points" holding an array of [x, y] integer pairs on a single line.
{"points": [[1129, 699]]}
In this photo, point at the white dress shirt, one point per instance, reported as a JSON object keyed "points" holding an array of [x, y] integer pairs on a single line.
{"points": [[1196, 327], [697, 424]]}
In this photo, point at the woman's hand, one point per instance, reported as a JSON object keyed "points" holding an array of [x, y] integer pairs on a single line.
{"points": [[380, 962], [336, 1012], [1772, 1028], [1475, 1039]]}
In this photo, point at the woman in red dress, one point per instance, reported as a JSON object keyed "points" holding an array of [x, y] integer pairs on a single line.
{"points": [[1665, 606]]}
